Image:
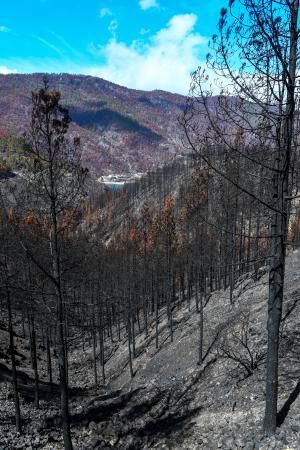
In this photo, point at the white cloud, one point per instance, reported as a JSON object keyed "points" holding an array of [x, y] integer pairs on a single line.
{"points": [[147, 4], [144, 31], [4, 70], [113, 26], [4, 29], [164, 63], [104, 12]]}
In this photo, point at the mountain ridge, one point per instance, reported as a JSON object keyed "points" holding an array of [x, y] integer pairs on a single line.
{"points": [[121, 129]]}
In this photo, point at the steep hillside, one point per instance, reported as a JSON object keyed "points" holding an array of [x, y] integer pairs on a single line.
{"points": [[122, 130], [172, 402], [107, 211]]}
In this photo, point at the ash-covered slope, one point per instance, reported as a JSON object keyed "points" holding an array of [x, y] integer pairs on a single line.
{"points": [[172, 402], [122, 130], [217, 404]]}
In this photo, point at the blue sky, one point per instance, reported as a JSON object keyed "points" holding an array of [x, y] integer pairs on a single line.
{"points": [[142, 44]]}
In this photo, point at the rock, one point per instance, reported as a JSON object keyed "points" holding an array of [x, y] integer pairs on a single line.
{"points": [[295, 428], [225, 442], [52, 436], [79, 409], [37, 441], [93, 425], [239, 442], [220, 443], [96, 442]]}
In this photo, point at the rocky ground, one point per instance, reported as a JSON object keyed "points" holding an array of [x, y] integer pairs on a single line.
{"points": [[172, 402]]}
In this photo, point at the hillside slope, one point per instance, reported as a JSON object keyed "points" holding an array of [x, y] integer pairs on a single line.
{"points": [[172, 402], [122, 130]]}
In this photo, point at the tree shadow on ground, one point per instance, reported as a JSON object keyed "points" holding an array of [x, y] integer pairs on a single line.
{"points": [[287, 405], [142, 416], [166, 415], [26, 384], [109, 405], [8, 420], [172, 428], [148, 418]]}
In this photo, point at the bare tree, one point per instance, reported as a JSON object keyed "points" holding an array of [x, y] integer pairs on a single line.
{"points": [[55, 186], [254, 67], [238, 345], [7, 277]]}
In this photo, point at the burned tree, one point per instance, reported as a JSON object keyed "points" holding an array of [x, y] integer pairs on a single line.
{"points": [[55, 185], [253, 123]]}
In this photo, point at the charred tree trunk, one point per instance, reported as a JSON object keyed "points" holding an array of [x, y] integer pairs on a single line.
{"points": [[49, 361], [13, 363], [34, 364], [279, 233]]}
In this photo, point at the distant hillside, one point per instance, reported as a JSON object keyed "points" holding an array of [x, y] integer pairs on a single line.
{"points": [[122, 130]]}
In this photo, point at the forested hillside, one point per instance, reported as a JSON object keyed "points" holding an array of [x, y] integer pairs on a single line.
{"points": [[122, 130]]}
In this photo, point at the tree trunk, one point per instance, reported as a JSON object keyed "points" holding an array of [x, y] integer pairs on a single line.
{"points": [[133, 336], [13, 365], [49, 362], [276, 283], [129, 345], [63, 379], [102, 357], [34, 364], [201, 330], [62, 358], [279, 232], [156, 319], [95, 357]]}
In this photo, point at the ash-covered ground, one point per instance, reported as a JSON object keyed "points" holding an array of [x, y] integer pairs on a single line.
{"points": [[172, 402]]}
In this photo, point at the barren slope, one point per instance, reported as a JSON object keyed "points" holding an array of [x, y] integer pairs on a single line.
{"points": [[172, 402]]}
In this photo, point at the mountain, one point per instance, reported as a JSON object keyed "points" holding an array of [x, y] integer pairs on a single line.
{"points": [[121, 129]]}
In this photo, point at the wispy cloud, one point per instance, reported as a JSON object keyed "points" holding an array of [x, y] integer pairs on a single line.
{"points": [[4, 29], [104, 12], [147, 4], [50, 45], [165, 62], [113, 26], [67, 45]]}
